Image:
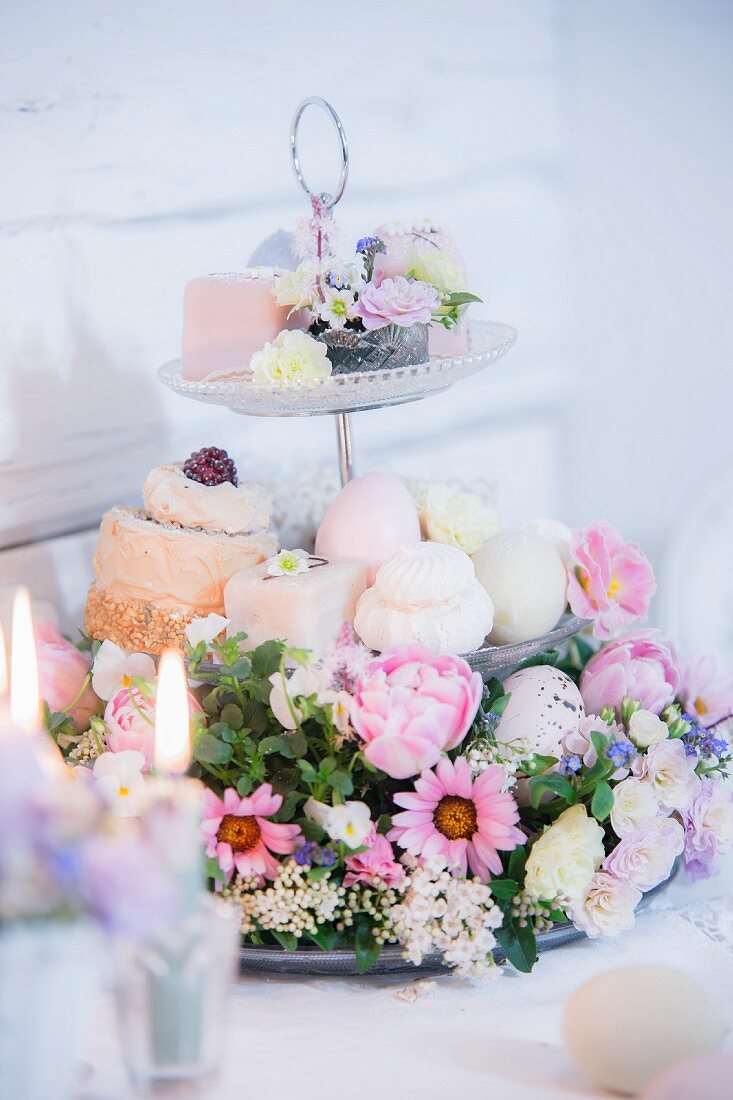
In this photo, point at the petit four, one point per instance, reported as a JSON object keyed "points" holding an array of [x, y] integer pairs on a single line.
{"points": [[427, 594], [544, 707], [157, 570], [227, 318], [526, 578], [370, 519], [303, 604]]}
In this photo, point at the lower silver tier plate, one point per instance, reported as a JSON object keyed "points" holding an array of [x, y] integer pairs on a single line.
{"points": [[496, 658]]}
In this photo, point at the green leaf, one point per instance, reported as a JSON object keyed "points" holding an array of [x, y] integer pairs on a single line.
{"points": [[210, 750], [461, 298], [266, 659], [602, 801], [536, 764], [600, 742], [275, 743], [518, 944], [244, 786], [214, 871], [232, 715], [287, 940], [297, 743], [211, 702], [504, 888], [316, 873], [325, 937], [499, 705], [342, 782], [515, 867], [549, 657], [366, 948], [230, 736], [556, 784]]}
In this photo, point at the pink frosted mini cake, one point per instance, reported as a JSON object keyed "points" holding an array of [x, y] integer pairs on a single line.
{"points": [[156, 570]]}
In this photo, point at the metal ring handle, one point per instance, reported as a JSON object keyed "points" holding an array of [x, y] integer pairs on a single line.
{"points": [[317, 101]]}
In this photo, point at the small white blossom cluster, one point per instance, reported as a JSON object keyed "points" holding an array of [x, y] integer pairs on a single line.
{"points": [[484, 753], [453, 916], [86, 750], [376, 900], [536, 911], [292, 903]]}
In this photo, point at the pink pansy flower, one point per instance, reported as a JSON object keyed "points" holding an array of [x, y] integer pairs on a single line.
{"points": [[376, 862], [466, 821], [409, 706], [611, 580], [240, 836], [130, 720], [62, 675], [640, 665], [705, 693], [397, 301]]}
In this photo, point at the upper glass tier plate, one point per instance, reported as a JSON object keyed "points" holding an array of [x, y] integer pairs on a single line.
{"points": [[341, 393]]}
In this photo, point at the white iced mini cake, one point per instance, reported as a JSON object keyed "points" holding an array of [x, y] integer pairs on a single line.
{"points": [[427, 594]]}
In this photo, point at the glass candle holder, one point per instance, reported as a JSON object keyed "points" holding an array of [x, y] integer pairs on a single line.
{"points": [[171, 1001]]}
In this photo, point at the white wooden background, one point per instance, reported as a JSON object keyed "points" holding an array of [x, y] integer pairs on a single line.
{"points": [[579, 149]]}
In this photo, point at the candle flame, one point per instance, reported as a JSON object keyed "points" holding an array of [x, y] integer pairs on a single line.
{"points": [[172, 721], [3, 664], [25, 704]]}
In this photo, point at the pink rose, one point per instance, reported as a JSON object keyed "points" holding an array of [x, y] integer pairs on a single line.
{"points": [[62, 672], [411, 706], [377, 862], [639, 665], [130, 719], [611, 580], [397, 301]]}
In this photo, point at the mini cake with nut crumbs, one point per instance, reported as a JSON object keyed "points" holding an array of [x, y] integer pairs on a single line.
{"points": [[157, 569]]}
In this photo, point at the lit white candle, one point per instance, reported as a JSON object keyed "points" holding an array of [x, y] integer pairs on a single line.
{"points": [[25, 703], [172, 721]]}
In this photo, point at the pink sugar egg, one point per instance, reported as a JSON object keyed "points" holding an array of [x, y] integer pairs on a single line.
{"points": [[709, 1076], [370, 519]]}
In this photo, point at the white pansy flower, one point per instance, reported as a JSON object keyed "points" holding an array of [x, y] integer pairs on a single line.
{"points": [[114, 667], [304, 682], [350, 823], [119, 776], [453, 517], [287, 563], [205, 629], [646, 729], [292, 357], [563, 859], [634, 805], [316, 811], [337, 307], [608, 906], [670, 772]]}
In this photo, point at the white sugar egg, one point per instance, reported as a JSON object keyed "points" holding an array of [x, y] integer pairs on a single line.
{"points": [[624, 1027], [525, 576], [544, 707]]}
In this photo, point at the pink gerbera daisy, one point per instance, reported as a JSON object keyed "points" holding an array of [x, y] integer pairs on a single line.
{"points": [[239, 835], [467, 821]]}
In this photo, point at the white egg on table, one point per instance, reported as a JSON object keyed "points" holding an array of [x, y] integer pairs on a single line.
{"points": [[525, 576], [544, 707], [370, 519], [625, 1026]]}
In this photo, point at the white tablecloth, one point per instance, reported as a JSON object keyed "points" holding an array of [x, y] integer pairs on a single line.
{"points": [[381, 1038]]}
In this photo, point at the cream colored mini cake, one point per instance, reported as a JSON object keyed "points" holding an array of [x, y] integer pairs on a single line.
{"points": [[157, 570], [427, 594], [301, 599]]}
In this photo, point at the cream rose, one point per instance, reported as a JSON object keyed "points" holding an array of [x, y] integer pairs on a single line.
{"points": [[292, 357], [634, 805], [434, 266], [646, 729], [562, 861], [670, 772], [455, 518], [608, 906]]}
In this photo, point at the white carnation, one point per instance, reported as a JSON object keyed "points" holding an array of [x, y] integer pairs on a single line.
{"points": [[563, 859], [634, 805]]}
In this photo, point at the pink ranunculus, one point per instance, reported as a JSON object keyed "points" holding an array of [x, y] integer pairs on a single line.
{"points": [[640, 665], [397, 301], [705, 693], [62, 672], [130, 719], [410, 706], [376, 862], [611, 581]]}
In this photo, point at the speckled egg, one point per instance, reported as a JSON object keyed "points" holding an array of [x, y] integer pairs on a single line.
{"points": [[624, 1027], [545, 705], [527, 580], [370, 519]]}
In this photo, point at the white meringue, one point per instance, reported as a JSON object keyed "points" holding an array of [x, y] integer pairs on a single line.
{"points": [[171, 497], [427, 594]]}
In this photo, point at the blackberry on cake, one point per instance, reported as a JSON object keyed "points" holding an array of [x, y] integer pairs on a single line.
{"points": [[210, 466]]}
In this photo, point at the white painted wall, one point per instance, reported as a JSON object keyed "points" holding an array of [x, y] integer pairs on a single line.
{"points": [[579, 150]]}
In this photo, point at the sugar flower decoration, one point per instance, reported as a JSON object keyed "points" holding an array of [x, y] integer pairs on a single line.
{"points": [[114, 668], [467, 821], [611, 581], [240, 835], [293, 357], [397, 301], [119, 777], [287, 563], [205, 629]]}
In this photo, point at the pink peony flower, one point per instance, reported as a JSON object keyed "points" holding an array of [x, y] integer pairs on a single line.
{"points": [[611, 581], [397, 301], [467, 821], [62, 673], [130, 720], [239, 835], [708, 828], [704, 692], [639, 665], [410, 706], [377, 862]]}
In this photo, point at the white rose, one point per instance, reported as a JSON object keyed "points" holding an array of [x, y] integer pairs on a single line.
{"points": [[645, 857], [634, 805], [434, 266], [671, 774], [456, 518], [646, 729], [350, 823], [608, 906], [292, 357], [562, 860]]}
